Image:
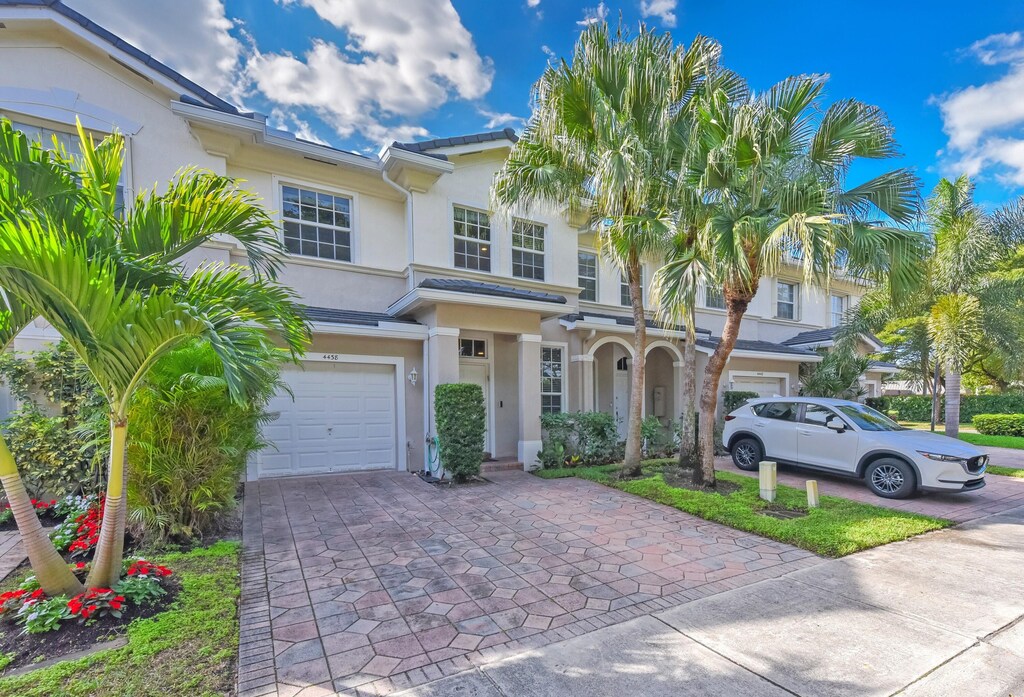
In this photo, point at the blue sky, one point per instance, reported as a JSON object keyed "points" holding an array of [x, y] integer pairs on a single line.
{"points": [[357, 73]]}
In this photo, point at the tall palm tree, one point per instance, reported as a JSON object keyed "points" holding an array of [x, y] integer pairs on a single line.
{"points": [[598, 142], [75, 195], [775, 177]]}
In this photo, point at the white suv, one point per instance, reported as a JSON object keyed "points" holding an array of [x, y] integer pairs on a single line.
{"points": [[847, 438]]}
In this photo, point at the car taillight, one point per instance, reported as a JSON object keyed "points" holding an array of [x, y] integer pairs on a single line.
{"points": [[729, 417]]}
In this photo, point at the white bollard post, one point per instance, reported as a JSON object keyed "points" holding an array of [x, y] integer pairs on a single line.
{"points": [[767, 471], [812, 494]]}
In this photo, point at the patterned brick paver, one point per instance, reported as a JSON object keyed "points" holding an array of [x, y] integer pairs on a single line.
{"points": [[370, 583], [1000, 494]]}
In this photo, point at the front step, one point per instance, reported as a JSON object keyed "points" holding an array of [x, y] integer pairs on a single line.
{"points": [[500, 466]]}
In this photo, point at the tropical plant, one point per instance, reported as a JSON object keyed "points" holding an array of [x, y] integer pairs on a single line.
{"points": [[773, 168], [599, 143], [459, 412], [838, 373]]}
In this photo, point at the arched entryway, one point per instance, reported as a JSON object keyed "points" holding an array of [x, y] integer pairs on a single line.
{"points": [[612, 371], [662, 381]]}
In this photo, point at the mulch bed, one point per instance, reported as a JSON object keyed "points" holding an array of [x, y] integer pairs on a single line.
{"points": [[46, 518], [71, 636], [682, 480]]}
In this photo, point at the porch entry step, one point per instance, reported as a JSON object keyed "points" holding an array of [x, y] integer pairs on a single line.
{"points": [[500, 466]]}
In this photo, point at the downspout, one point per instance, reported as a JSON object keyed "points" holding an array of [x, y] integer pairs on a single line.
{"points": [[407, 195]]}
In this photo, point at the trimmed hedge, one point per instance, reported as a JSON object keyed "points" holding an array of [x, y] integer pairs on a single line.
{"points": [[734, 399], [999, 424], [919, 408], [459, 412], [579, 438]]}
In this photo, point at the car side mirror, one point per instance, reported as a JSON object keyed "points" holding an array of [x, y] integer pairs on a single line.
{"points": [[836, 425]]}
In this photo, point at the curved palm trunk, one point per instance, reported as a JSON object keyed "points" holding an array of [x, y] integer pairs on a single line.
{"points": [[631, 463], [52, 572], [736, 307], [106, 565], [952, 403], [689, 459]]}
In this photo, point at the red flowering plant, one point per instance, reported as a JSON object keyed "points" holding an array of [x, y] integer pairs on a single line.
{"points": [[11, 602], [140, 568], [95, 603], [87, 534]]}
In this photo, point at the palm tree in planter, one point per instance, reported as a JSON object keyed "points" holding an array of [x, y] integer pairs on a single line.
{"points": [[599, 143], [76, 199], [775, 177], [120, 332]]}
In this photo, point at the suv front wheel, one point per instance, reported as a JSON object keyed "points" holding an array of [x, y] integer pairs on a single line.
{"points": [[891, 478], [746, 454]]}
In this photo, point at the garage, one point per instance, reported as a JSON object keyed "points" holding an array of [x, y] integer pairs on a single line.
{"points": [[343, 418], [763, 386]]}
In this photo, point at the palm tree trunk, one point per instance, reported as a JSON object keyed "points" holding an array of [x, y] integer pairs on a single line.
{"points": [[106, 564], [952, 403], [52, 572], [736, 307], [631, 463], [688, 457]]}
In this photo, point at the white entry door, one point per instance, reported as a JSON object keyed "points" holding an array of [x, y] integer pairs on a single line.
{"points": [[342, 419], [621, 402], [479, 373]]}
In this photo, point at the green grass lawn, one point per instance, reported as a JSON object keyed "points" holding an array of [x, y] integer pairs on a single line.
{"points": [[1013, 442], [839, 527], [1005, 471], [190, 649]]}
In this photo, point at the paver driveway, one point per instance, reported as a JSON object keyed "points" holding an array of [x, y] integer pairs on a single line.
{"points": [[373, 582]]}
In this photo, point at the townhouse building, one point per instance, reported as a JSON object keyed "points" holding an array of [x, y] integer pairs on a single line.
{"points": [[409, 278]]}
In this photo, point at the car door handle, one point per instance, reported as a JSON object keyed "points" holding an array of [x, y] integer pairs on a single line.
{"points": [[758, 425]]}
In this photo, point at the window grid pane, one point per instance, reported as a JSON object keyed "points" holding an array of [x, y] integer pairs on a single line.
{"points": [[714, 298], [527, 250], [838, 309], [317, 224], [587, 274], [550, 379], [785, 300], [472, 239]]}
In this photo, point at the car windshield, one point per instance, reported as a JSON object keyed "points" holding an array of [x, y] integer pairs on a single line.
{"points": [[868, 419]]}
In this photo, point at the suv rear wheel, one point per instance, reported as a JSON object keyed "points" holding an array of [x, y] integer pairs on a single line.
{"points": [[891, 478], [746, 454]]}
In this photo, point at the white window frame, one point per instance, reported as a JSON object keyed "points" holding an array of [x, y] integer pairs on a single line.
{"points": [[707, 303], [491, 256], [564, 395], [795, 302], [596, 277], [525, 250], [844, 301], [278, 181]]}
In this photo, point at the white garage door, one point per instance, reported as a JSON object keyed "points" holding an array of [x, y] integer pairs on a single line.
{"points": [[342, 419], [765, 387]]}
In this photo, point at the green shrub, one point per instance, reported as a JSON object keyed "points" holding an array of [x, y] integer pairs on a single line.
{"points": [[999, 424], [659, 439], [188, 446], [580, 437], [919, 407], [49, 434], [459, 412], [734, 399]]}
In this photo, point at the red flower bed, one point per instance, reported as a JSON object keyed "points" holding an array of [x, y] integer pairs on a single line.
{"points": [[88, 533], [146, 569], [96, 602]]}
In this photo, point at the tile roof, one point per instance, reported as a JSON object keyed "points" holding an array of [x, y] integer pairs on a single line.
{"points": [[758, 346], [883, 364], [460, 285], [367, 319], [627, 321], [436, 143], [813, 336]]}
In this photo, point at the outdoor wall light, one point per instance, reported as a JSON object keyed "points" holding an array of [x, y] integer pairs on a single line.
{"points": [[413, 376]]}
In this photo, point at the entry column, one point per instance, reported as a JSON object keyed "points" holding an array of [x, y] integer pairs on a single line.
{"points": [[585, 367], [443, 350], [529, 399]]}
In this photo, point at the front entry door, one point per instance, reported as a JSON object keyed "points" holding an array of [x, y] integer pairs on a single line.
{"points": [[480, 374], [621, 398]]}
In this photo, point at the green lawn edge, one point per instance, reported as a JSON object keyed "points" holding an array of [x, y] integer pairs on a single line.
{"points": [[1012, 442], [837, 528], [189, 649], [1005, 471]]}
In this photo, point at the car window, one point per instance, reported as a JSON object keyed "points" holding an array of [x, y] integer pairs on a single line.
{"points": [[868, 419], [783, 411], [817, 415]]}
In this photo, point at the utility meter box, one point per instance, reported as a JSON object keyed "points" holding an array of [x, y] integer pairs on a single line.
{"points": [[659, 402]]}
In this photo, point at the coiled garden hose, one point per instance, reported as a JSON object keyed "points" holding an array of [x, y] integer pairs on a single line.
{"points": [[434, 456]]}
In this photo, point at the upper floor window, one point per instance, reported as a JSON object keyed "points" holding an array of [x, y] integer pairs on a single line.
{"points": [[472, 239], [527, 250], [624, 288], [714, 297], [551, 365], [317, 224], [785, 300], [587, 275], [837, 309]]}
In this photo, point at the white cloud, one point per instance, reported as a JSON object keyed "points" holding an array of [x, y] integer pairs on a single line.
{"points": [[665, 10], [498, 120], [548, 52], [192, 36], [985, 122], [593, 15], [532, 3], [401, 61], [289, 121]]}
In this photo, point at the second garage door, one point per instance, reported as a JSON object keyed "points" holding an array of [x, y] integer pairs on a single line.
{"points": [[765, 387], [342, 419]]}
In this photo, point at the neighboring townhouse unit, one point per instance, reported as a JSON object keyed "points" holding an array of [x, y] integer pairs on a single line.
{"points": [[410, 279]]}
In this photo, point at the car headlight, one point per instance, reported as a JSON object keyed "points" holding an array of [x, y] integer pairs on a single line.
{"points": [[944, 458]]}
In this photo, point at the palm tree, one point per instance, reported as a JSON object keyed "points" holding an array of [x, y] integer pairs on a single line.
{"points": [[75, 197], [774, 176], [598, 142]]}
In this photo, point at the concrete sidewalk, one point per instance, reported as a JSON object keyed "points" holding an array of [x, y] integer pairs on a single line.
{"points": [[1005, 457], [940, 615]]}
